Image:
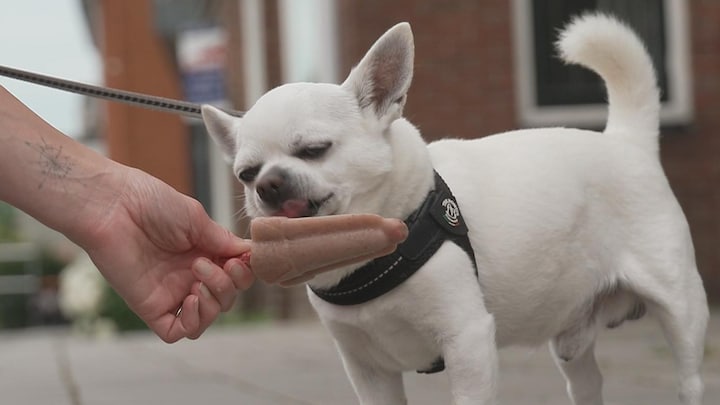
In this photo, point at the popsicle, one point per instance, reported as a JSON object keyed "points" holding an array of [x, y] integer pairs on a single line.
{"points": [[290, 251]]}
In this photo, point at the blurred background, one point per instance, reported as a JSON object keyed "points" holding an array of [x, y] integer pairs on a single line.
{"points": [[482, 67]]}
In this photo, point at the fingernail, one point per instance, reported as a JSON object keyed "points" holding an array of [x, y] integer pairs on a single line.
{"points": [[242, 276], [204, 267], [204, 291], [237, 270], [242, 245]]}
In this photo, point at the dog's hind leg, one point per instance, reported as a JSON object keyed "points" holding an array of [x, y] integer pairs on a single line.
{"points": [[674, 294], [683, 317], [574, 354]]}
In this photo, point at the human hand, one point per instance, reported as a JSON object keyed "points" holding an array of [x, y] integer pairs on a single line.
{"points": [[163, 254], [156, 247]]}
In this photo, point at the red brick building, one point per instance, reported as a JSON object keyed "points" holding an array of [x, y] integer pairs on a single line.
{"points": [[474, 62]]}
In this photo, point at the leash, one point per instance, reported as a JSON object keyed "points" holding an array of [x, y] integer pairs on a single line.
{"points": [[185, 108]]}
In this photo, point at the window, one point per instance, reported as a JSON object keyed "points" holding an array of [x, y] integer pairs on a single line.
{"points": [[552, 93]]}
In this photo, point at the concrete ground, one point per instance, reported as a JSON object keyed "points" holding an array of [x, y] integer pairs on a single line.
{"points": [[296, 364]]}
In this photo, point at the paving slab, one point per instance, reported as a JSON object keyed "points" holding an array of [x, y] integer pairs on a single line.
{"points": [[296, 364], [32, 370]]}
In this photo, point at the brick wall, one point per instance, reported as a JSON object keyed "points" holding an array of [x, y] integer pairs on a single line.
{"points": [[463, 87], [463, 59], [691, 155], [137, 59]]}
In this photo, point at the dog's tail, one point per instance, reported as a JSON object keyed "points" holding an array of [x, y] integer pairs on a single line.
{"points": [[611, 49]]}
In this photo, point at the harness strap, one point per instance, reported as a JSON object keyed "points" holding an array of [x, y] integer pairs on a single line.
{"points": [[437, 220]]}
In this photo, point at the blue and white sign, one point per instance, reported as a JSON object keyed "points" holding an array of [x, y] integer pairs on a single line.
{"points": [[202, 53]]}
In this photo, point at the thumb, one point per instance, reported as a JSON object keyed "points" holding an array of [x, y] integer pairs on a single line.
{"points": [[218, 241]]}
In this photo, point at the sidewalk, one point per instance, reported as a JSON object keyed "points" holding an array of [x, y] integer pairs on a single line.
{"points": [[296, 364]]}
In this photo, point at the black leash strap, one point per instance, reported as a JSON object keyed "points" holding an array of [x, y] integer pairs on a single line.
{"points": [[156, 103]]}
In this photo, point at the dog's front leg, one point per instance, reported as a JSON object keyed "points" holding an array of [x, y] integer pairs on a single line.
{"points": [[374, 386], [471, 361]]}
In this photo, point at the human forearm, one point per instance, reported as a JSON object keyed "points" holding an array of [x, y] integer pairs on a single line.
{"points": [[156, 247], [57, 180]]}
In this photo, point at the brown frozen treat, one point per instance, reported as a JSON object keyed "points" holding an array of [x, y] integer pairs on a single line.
{"points": [[290, 251]]}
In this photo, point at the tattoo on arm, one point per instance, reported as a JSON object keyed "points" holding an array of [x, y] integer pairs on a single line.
{"points": [[53, 163]]}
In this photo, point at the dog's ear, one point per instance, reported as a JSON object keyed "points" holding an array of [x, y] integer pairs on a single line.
{"points": [[382, 78], [221, 127]]}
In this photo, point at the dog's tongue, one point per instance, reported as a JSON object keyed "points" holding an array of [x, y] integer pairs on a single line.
{"points": [[294, 209]]}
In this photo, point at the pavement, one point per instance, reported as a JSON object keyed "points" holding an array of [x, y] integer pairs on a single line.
{"points": [[296, 364]]}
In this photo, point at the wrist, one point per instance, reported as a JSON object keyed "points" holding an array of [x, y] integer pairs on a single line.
{"points": [[60, 182], [92, 202]]}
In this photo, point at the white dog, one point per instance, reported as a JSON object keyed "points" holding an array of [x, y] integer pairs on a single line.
{"points": [[571, 230]]}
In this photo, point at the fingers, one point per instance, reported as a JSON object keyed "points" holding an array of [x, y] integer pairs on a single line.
{"points": [[240, 273], [215, 292], [173, 327], [217, 240], [197, 313], [209, 309], [218, 283]]}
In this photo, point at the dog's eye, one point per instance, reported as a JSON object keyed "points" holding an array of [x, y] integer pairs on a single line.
{"points": [[249, 174], [313, 151]]}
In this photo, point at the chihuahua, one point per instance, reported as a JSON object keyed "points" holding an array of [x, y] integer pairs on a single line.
{"points": [[530, 236]]}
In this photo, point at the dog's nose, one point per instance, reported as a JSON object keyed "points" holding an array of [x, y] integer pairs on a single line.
{"points": [[273, 189]]}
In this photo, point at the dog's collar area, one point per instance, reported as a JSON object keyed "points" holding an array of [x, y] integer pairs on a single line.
{"points": [[437, 220]]}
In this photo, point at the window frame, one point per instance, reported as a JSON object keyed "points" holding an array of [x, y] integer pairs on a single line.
{"points": [[677, 110]]}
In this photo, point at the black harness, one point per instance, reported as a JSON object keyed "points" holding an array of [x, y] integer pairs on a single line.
{"points": [[437, 220]]}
